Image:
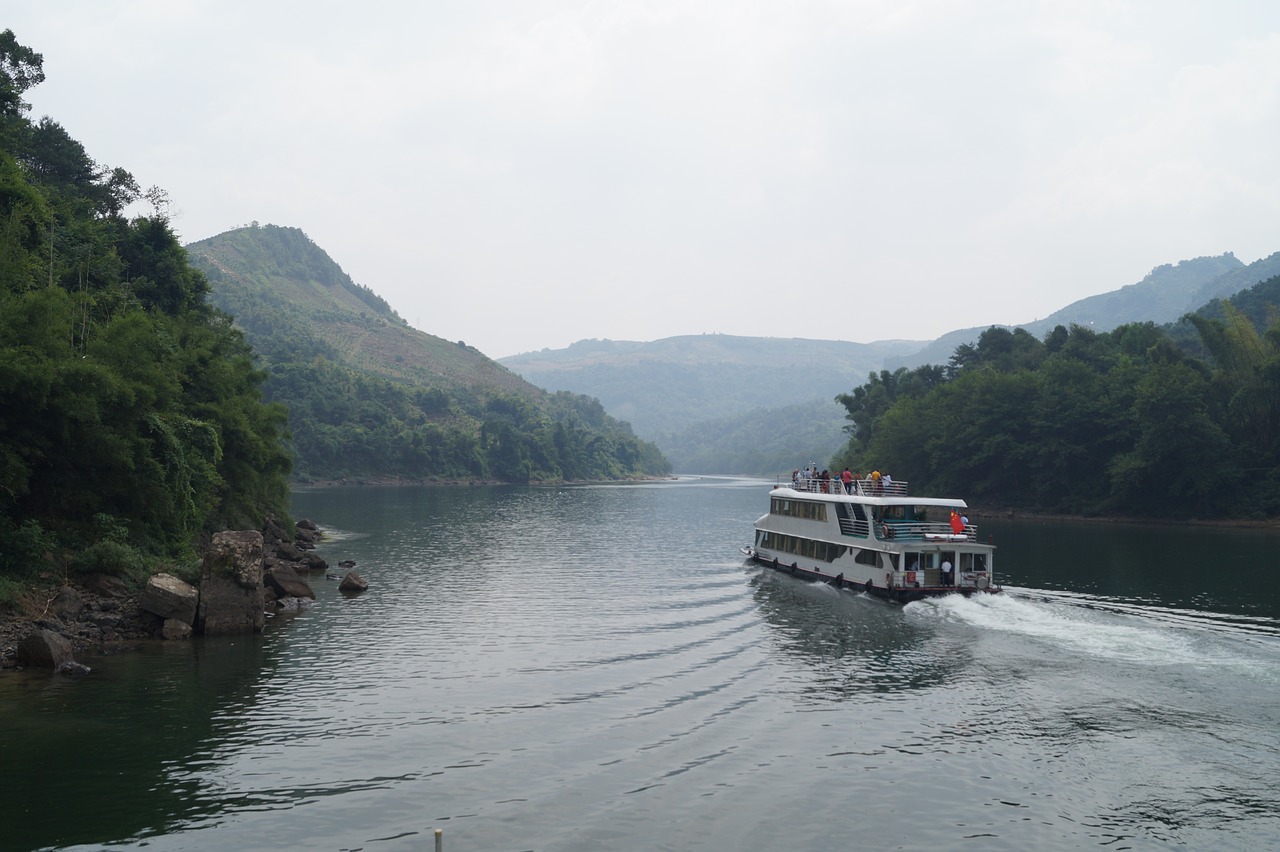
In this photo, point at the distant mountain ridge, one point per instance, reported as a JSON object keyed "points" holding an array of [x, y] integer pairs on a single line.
{"points": [[662, 386], [717, 403], [698, 397], [1164, 295]]}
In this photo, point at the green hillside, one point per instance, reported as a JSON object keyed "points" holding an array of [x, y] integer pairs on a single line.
{"points": [[717, 403], [371, 398], [1126, 422]]}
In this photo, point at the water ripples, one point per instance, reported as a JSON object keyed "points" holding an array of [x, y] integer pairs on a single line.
{"points": [[581, 669]]}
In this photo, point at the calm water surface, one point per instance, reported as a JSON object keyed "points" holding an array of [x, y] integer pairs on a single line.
{"points": [[596, 668]]}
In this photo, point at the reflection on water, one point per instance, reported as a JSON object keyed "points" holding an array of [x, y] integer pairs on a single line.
{"points": [[105, 746], [852, 643], [597, 668]]}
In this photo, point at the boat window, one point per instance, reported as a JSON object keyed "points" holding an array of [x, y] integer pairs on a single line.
{"points": [[912, 561], [822, 550], [798, 509], [867, 557]]}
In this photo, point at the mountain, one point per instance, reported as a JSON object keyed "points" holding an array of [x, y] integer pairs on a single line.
{"points": [[695, 395], [717, 403], [371, 397], [1163, 296]]}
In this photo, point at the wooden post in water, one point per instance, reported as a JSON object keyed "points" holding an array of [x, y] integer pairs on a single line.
{"points": [[439, 840]]}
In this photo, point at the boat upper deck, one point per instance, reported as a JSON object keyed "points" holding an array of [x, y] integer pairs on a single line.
{"points": [[882, 488], [890, 513]]}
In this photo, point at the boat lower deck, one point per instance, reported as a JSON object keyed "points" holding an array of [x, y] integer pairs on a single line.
{"points": [[888, 590]]}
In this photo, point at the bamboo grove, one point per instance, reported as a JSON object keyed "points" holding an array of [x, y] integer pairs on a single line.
{"points": [[131, 412]]}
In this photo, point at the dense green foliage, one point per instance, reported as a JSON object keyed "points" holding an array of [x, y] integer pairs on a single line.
{"points": [[371, 398], [1124, 422], [131, 414]]}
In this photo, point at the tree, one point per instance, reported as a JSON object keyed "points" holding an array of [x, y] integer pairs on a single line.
{"points": [[20, 69]]}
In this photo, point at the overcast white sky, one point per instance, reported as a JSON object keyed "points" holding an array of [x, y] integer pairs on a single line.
{"points": [[525, 174]]}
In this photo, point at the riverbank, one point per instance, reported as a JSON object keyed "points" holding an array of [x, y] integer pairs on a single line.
{"points": [[1231, 523], [96, 616], [91, 615]]}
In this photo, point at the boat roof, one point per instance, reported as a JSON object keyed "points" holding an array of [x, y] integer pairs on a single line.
{"points": [[868, 500]]}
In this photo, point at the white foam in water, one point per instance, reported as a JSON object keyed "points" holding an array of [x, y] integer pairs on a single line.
{"points": [[1113, 630]]}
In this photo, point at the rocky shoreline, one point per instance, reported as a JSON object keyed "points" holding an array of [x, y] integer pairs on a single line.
{"points": [[244, 575]]}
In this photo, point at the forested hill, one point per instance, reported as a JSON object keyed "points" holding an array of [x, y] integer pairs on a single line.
{"points": [[1179, 421], [131, 414], [370, 397]]}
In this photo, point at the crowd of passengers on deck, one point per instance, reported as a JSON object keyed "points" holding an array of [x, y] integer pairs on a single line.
{"points": [[873, 484]]}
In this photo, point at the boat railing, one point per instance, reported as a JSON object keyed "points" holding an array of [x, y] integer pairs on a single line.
{"points": [[858, 527], [926, 531], [865, 487]]}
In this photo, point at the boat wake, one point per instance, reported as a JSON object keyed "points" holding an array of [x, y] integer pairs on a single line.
{"points": [[1115, 629], [1193, 619]]}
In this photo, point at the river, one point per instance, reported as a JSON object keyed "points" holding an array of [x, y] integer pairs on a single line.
{"points": [[596, 668]]}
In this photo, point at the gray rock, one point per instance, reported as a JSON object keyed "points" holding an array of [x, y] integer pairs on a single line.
{"points": [[72, 668], [44, 648], [231, 598], [286, 583], [353, 582], [175, 629], [107, 586], [289, 551], [169, 597], [314, 562], [68, 604]]}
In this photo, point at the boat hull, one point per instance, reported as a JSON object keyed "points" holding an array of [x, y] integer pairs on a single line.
{"points": [[895, 594]]}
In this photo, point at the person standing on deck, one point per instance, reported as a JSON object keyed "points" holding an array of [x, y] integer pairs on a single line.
{"points": [[847, 479]]}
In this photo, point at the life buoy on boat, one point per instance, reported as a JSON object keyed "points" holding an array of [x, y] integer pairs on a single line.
{"points": [[911, 576], [982, 582]]}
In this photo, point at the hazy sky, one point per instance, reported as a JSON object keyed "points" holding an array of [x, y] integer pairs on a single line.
{"points": [[525, 174]]}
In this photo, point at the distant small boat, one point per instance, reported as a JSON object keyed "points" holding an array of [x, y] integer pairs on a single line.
{"points": [[875, 538]]}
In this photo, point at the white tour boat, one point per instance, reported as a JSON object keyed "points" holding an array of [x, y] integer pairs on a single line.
{"points": [[876, 539]]}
